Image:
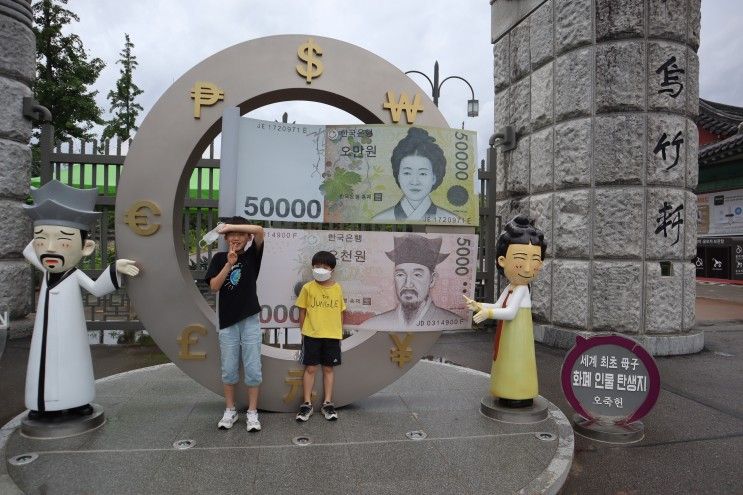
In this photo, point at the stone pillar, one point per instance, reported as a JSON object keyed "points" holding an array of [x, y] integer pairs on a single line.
{"points": [[17, 72], [603, 95]]}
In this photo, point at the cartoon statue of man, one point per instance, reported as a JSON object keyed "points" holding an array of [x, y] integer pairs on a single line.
{"points": [[59, 377]]}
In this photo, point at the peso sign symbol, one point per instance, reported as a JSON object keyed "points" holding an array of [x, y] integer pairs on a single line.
{"points": [[306, 53]]}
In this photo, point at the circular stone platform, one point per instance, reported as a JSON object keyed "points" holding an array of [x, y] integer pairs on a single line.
{"points": [[422, 434]]}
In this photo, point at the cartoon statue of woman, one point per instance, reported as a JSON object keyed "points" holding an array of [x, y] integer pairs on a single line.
{"points": [[520, 254]]}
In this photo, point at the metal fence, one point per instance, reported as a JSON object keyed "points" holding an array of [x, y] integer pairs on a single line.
{"points": [[94, 164]]}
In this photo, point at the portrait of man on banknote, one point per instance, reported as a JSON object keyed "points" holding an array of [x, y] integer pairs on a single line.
{"points": [[415, 258], [419, 166]]}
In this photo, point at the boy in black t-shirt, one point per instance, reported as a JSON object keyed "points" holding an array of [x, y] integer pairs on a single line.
{"points": [[233, 274]]}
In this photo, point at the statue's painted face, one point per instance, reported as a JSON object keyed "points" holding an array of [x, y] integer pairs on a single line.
{"points": [[522, 263], [60, 248]]}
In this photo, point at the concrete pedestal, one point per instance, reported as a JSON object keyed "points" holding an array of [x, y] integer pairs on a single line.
{"points": [[422, 434], [609, 432], [64, 427], [537, 412]]}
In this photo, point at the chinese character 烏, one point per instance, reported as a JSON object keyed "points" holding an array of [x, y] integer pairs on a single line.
{"points": [[670, 220], [669, 70], [663, 143]]}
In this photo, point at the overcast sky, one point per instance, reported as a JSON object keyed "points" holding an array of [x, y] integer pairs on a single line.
{"points": [[171, 36]]}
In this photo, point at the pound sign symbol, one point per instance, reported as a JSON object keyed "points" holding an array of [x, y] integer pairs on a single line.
{"points": [[306, 53]]}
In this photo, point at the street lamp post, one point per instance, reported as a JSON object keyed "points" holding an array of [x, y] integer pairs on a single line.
{"points": [[472, 104]]}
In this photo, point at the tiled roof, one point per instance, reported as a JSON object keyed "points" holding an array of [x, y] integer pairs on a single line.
{"points": [[719, 118], [720, 150]]}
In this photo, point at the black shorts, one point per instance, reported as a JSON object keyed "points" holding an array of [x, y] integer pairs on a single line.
{"points": [[326, 352]]}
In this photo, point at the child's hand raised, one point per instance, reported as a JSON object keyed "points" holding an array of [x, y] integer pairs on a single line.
{"points": [[232, 256]]}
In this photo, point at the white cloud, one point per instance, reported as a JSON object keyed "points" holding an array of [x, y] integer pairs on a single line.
{"points": [[171, 36]]}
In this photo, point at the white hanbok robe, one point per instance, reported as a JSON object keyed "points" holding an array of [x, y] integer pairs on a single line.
{"points": [[60, 369]]}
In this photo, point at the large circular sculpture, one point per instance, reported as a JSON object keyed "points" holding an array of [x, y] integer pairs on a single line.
{"points": [[169, 143]]}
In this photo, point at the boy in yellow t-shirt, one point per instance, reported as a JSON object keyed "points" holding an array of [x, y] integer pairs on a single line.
{"points": [[321, 308]]}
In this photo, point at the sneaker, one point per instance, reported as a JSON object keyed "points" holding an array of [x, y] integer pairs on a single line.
{"points": [[253, 423], [328, 410], [229, 419], [305, 411]]}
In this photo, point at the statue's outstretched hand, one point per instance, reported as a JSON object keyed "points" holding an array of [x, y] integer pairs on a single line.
{"points": [[472, 304], [481, 316], [127, 267]]}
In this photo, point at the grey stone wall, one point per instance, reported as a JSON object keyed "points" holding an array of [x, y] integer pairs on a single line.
{"points": [[17, 71], [603, 95]]}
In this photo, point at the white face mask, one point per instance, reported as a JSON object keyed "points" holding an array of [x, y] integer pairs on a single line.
{"points": [[210, 237], [321, 274]]}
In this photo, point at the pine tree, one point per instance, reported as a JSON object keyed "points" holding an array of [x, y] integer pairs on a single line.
{"points": [[125, 109], [64, 73]]}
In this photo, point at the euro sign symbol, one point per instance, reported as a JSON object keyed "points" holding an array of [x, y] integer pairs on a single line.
{"points": [[204, 94], [402, 352], [306, 53], [396, 107], [139, 221]]}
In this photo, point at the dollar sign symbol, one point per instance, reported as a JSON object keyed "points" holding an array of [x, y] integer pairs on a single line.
{"points": [[306, 53]]}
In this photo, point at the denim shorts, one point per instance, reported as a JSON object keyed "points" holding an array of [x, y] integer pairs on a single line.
{"points": [[244, 335]]}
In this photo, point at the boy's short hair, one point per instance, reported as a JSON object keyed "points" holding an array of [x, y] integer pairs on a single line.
{"points": [[236, 220], [324, 258]]}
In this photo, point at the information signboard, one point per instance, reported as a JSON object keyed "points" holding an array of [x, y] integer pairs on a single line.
{"points": [[610, 378]]}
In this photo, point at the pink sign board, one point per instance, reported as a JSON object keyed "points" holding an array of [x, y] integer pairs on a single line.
{"points": [[610, 378]]}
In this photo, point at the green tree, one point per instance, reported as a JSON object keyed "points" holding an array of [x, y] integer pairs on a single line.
{"points": [[64, 73], [125, 110]]}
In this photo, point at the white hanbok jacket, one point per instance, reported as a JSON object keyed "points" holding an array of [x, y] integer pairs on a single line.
{"points": [[60, 369]]}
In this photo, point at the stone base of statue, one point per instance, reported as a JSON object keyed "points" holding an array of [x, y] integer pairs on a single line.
{"points": [[63, 426], [608, 432], [535, 413]]}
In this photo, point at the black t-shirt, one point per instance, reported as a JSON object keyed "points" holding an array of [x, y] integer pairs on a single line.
{"points": [[237, 296]]}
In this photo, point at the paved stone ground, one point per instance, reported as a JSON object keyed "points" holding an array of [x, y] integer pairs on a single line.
{"points": [[694, 435], [365, 451], [694, 439]]}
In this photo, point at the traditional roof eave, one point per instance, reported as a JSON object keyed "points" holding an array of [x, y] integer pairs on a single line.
{"points": [[719, 118], [721, 150]]}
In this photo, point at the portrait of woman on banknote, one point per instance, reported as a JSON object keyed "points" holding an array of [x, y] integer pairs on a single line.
{"points": [[419, 166]]}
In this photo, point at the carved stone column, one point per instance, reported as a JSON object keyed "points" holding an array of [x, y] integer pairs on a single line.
{"points": [[603, 96], [17, 72]]}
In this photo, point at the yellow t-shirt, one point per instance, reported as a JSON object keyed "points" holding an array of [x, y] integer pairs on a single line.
{"points": [[324, 307]]}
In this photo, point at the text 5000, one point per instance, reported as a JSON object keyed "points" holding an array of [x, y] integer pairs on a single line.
{"points": [[280, 314], [282, 207]]}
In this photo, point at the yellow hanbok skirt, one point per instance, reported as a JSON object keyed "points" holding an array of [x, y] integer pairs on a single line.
{"points": [[514, 372]]}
